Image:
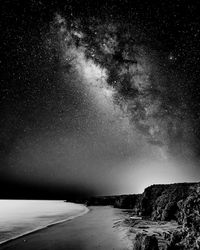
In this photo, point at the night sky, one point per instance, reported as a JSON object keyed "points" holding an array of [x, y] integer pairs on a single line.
{"points": [[98, 97]]}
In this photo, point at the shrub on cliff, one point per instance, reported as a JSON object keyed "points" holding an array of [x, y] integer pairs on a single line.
{"points": [[160, 202], [189, 236]]}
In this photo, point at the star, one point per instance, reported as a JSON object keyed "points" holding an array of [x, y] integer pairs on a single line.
{"points": [[172, 57]]}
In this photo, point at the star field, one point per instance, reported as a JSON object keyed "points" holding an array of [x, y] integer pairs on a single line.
{"points": [[90, 89]]}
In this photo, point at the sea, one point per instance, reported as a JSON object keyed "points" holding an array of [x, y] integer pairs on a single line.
{"points": [[20, 217]]}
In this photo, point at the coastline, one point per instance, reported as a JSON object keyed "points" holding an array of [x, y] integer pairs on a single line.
{"points": [[95, 230], [86, 210]]}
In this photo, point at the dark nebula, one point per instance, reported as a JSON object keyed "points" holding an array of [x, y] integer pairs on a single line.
{"points": [[98, 97]]}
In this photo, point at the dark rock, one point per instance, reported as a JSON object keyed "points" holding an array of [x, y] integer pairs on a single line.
{"points": [[170, 211], [145, 242]]}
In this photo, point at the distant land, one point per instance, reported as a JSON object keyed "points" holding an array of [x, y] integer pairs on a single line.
{"points": [[179, 202]]}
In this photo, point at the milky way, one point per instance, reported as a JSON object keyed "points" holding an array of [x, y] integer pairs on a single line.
{"points": [[133, 76], [97, 95]]}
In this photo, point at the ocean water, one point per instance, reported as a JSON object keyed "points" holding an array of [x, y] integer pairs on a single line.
{"points": [[18, 217]]}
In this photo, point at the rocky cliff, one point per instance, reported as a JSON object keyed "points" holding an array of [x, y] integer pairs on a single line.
{"points": [[131, 201], [157, 202], [189, 217], [179, 202], [160, 202]]}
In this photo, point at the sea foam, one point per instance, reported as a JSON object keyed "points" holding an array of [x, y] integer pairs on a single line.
{"points": [[20, 217]]}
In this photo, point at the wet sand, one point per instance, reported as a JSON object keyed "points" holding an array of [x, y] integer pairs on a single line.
{"points": [[94, 230]]}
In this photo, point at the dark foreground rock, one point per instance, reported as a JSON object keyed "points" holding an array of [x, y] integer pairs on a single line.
{"points": [[145, 242]]}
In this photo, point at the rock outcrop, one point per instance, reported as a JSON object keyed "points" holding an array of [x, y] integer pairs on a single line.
{"points": [[145, 242], [160, 202]]}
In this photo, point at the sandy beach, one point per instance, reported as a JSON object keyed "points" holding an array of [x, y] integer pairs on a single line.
{"points": [[94, 230]]}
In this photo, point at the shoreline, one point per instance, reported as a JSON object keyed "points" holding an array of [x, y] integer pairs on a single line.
{"points": [[4, 242], [95, 230], [102, 227]]}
